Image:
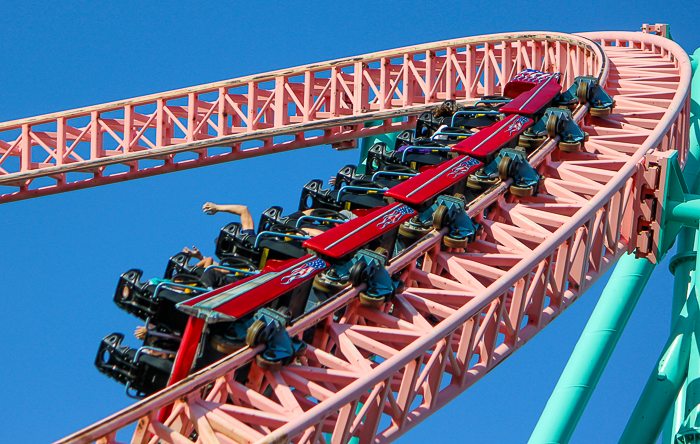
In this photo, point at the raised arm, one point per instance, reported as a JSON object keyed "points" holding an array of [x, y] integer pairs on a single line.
{"points": [[240, 210]]}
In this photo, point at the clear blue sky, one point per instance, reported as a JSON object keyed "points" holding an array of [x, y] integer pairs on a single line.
{"points": [[62, 255]]}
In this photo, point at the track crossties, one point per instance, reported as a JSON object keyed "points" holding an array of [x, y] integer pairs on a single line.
{"points": [[376, 373]]}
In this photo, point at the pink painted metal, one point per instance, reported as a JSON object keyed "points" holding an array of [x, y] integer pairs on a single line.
{"points": [[367, 368], [323, 103]]}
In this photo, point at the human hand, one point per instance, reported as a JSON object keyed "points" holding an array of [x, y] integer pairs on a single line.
{"points": [[140, 332], [194, 252], [210, 208], [331, 181]]}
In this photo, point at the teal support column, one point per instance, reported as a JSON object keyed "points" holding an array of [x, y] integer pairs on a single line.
{"points": [[681, 266], [367, 142], [689, 432], [592, 352], [665, 381], [686, 409]]}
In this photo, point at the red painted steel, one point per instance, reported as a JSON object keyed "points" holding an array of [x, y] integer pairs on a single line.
{"points": [[323, 103], [486, 142], [187, 352], [242, 297], [349, 237], [531, 93], [534, 258], [434, 181]]}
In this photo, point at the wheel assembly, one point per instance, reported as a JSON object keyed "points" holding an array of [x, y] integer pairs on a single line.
{"points": [[455, 243], [358, 273], [371, 301], [552, 126], [440, 217], [301, 351], [570, 147], [522, 191], [222, 344], [401, 287], [256, 334], [266, 364], [413, 231], [383, 251], [323, 283], [474, 183], [582, 93], [530, 142], [505, 168], [600, 112]]}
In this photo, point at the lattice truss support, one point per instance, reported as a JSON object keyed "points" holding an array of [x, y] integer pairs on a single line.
{"points": [[374, 374], [324, 103]]}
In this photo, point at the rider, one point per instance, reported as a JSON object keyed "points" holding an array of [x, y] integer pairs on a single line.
{"points": [[247, 224]]}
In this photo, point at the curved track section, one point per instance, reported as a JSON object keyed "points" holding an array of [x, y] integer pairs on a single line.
{"points": [[376, 373], [323, 103]]}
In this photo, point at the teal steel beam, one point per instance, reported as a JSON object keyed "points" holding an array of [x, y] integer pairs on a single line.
{"points": [[687, 213], [689, 432], [681, 266], [686, 409], [683, 263], [665, 381], [592, 352]]}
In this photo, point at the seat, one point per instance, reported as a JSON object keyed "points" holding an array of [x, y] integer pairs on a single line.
{"points": [[142, 373], [179, 264], [155, 302], [274, 241]]}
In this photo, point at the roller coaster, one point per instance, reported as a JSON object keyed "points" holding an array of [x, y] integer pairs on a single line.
{"points": [[524, 167]]}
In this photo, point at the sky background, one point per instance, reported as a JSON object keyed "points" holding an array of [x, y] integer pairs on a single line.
{"points": [[62, 255]]}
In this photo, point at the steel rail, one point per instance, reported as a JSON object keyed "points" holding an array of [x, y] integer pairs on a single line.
{"points": [[582, 248], [284, 109], [244, 356], [518, 272]]}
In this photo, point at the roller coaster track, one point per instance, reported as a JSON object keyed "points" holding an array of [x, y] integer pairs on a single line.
{"points": [[374, 374], [262, 114]]}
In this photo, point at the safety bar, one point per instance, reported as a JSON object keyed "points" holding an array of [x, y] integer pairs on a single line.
{"points": [[492, 101], [434, 136], [235, 270], [392, 173], [320, 219], [277, 234], [173, 284], [470, 112], [416, 148], [355, 188]]}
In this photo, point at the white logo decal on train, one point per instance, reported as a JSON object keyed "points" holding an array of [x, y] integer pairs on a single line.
{"points": [[394, 216], [517, 125], [303, 271], [532, 75], [462, 167]]}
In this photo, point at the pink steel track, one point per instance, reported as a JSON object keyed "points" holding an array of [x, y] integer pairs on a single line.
{"points": [[375, 374], [317, 104]]}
